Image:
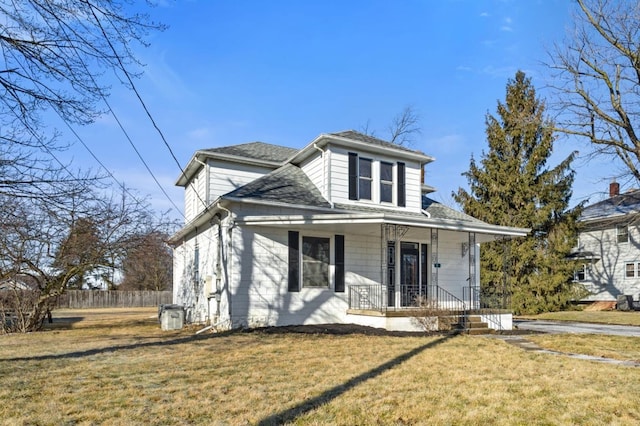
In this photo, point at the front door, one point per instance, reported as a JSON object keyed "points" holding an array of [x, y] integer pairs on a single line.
{"points": [[410, 289]]}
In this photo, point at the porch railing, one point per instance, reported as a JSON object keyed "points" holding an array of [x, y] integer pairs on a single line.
{"points": [[489, 306], [431, 299], [439, 302], [367, 297]]}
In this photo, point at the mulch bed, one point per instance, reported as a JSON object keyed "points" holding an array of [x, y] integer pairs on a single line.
{"points": [[346, 329]]}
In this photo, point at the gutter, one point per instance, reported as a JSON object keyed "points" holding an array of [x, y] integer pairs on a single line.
{"points": [[331, 219]]}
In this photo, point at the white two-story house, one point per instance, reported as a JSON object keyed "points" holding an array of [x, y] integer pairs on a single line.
{"points": [[340, 231], [608, 248]]}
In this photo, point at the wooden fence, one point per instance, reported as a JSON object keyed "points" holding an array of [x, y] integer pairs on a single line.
{"points": [[78, 299]]}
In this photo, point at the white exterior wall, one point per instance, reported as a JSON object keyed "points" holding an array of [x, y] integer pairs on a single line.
{"points": [[191, 290], [225, 176], [195, 195], [315, 167], [607, 276], [257, 265], [453, 273], [413, 185], [259, 277], [339, 175]]}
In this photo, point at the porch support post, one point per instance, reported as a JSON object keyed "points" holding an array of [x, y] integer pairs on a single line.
{"points": [[434, 257], [474, 291], [384, 260]]}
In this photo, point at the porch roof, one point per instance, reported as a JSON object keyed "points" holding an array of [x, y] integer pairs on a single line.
{"points": [[348, 218], [346, 222]]}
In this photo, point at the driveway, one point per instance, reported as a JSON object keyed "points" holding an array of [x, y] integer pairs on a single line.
{"points": [[576, 327]]}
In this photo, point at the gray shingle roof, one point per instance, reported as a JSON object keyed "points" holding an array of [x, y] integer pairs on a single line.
{"points": [[256, 150], [440, 211], [619, 205], [287, 184], [435, 209], [357, 136]]}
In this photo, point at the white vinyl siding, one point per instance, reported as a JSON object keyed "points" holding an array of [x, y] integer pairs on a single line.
{"points": [[225, 177], [609, 274], [339, 175], [313, 168], [195, 195]]}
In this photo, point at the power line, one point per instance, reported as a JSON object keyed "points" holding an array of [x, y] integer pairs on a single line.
{"points": [[126, 134], [144, 106]]}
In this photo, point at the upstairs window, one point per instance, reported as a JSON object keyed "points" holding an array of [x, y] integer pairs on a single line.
{"points": [[361, 180], [364, 178], [622, 232], [386, 182]]}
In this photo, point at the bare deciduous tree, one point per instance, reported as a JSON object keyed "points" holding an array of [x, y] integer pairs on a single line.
{"points": [[50, 247], [402, 129], [148, 264], [54, 55], [598, 80]]}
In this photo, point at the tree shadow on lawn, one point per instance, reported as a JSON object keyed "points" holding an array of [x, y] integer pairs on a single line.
{"points": [[115, 348], [293, 413], [334, 329]]}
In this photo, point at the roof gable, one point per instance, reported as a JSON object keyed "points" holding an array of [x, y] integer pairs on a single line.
{"points": [[288, 184]]}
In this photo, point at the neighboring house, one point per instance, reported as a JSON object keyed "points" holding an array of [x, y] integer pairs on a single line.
{"points": [[19, 282], [608, 248], [340, 231]]}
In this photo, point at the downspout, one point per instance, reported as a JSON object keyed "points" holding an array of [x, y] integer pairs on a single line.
{"points": [[217, 219], [324, 175], [229, 226]]}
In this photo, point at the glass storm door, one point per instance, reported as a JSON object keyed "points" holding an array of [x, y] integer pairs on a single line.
{"points": [[409, 274]]}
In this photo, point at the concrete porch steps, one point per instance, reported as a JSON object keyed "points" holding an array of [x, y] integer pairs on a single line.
{"points": [[475, 326]]}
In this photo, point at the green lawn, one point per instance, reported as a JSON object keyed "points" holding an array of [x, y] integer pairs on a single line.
{"points": [[122, 369]]}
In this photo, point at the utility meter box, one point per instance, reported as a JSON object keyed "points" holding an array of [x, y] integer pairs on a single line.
{"points": [[171, 317]]}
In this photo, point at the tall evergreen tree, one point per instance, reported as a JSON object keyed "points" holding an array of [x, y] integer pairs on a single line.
{"points": [[512, 186]]}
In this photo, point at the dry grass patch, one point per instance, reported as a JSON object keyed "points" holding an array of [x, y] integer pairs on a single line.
{"points": [[615, 347], [601, 317], [133, 373]]}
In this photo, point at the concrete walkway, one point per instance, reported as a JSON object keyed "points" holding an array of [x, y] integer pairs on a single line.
{"points": [[576, 327], [557, 327]]}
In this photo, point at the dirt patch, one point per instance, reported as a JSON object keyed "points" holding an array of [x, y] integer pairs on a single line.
{"points": [[600, 306]]}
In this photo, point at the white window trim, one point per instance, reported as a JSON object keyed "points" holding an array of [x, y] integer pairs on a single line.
{"points": [[636, 270], [393, 182], [619, 234], [376, 180]]}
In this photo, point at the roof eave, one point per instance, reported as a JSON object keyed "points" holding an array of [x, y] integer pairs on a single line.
{"points": [[373, 218], [325, 138], [201, 156], [201, 219]]}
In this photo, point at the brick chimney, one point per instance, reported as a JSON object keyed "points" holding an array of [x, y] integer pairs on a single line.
{"points": [[614, 189]]}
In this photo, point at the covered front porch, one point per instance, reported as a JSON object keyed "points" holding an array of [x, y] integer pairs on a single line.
{"points": [[428, 279]]}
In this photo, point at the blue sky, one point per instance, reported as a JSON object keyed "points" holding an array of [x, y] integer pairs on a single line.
{"points": [[282, 72]]}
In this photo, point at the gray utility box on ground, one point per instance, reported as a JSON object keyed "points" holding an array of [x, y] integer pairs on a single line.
{"points": [[171, 317]]}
